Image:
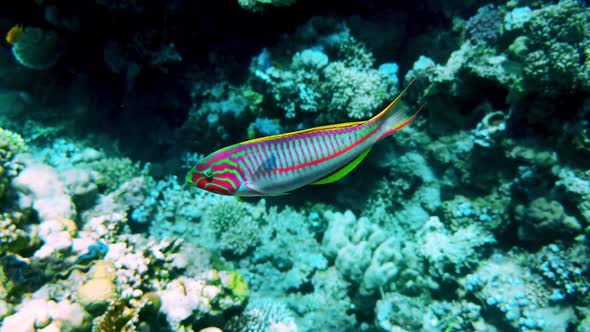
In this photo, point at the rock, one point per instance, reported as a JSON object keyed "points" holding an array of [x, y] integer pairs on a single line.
{"points": [[81, 184], [28, 314], [39, 186], [39, 180], [60, 240], [129, 195], [69, 316], [542, 220], [52, 207]]}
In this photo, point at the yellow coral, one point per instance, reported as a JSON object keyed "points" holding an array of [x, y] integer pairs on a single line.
{"points": [[238, 285], [104, 270], [95, 294], [68, 225]]}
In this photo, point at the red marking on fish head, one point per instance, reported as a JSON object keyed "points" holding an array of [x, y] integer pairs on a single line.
{"points": [[207, 176]]}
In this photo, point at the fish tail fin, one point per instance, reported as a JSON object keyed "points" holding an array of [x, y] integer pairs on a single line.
{"points": [[397, 121], [392, 121]]}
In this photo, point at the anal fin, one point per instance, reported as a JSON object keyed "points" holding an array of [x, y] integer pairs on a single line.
{"points": [[342, 172]]}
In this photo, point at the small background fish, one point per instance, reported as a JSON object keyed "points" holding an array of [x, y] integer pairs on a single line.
{"points": [[14, 34]]}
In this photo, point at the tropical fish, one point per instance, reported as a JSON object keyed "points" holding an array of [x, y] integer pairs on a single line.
{"points": [[14, 34], [276, 165]]}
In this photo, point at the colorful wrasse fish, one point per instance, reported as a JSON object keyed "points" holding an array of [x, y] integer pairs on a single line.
{"points": [[276, 165], [14, 34]]}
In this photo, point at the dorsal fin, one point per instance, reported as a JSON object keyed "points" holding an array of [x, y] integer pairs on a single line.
{"points": [[333, 126], [339, 174], [386, 110], [305, 131]]}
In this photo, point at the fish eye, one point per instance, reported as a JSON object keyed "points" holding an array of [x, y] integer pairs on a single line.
{"points": [[208, 174]]}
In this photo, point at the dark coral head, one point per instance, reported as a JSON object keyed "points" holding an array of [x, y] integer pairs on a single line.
{"points": [[485, 26]]}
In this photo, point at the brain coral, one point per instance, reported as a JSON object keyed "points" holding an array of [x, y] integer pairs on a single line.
{"points": [[558, 39], [95, 294]]}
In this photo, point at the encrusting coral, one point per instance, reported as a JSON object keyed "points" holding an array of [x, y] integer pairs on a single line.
{"points": [[11, 144]]}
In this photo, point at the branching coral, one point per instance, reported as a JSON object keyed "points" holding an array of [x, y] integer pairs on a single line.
{"points": [[234, 225], [288, 254], [344, 84], [168, 203], [128, 316], [357, 91], [396, 312], [328, 306], [558, 38], [298, 89], [13, 237], [489, 212]]}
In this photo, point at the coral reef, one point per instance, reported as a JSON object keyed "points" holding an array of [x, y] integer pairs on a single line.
{"points": [[521, 299], [557, 46], [449, 255], [337, 77], [263, 315], [234, 225], [11, 144]]}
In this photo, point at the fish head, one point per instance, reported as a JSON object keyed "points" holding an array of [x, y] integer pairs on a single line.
{"points": [[216, 173]]}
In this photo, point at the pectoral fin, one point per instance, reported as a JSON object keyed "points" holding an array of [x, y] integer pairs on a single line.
{"points": [[266, 166], [339, 174]]}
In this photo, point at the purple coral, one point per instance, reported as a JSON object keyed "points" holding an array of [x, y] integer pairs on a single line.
{"points": [[485, 26]]}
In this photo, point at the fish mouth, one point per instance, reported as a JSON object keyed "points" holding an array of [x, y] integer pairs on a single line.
{"points": [[191, 177]]}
